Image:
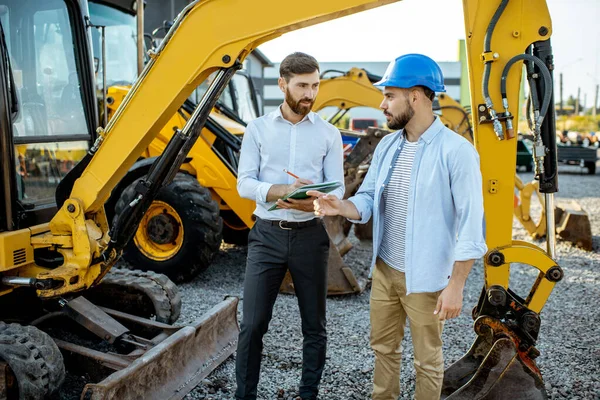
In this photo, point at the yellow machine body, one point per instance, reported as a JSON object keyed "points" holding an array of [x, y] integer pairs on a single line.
{"points": [[204, 164]]}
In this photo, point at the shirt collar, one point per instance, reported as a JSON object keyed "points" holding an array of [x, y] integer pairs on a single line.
{"points": [[431, 132], [277, 114]]}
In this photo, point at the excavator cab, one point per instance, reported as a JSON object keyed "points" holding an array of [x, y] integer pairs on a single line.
{"points": [[49, 123]]}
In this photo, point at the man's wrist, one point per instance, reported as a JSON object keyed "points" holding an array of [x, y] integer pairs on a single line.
{"points": [[347, 209], [456, 284]]}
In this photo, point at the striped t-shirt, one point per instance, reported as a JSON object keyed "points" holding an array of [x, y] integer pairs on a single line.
{"points": [[395, 196]]}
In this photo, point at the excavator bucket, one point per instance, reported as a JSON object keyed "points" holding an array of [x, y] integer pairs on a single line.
{"points": [[356, 166], [573, 225], [494, 369], [341, 278], [572, 221], [174, 361]]}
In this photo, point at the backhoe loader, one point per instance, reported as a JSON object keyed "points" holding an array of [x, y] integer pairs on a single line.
{"points": [[182, 230], [213, 162]]}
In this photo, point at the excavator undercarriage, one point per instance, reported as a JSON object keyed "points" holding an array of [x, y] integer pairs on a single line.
{"points": [[119, 335]]}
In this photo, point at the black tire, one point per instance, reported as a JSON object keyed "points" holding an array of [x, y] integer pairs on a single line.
{"points": [[235, 231], [591, 166], [235, 236], [34, 359], [202, 230]]}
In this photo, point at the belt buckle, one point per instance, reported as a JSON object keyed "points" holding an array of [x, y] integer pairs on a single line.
{"points": [[282, 227]]}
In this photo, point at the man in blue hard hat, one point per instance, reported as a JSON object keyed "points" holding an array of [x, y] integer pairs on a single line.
{"points": [[424, 191]]}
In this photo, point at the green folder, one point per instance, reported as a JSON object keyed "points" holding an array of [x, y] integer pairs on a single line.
{"points": [[300, 193]]}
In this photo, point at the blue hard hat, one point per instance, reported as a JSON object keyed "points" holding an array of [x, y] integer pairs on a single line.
{"points": [[412, 70]]}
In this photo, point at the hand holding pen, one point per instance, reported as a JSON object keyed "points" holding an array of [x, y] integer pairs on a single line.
{"points": [[302, 205]]}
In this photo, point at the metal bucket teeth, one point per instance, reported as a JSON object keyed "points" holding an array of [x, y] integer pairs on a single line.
{"points": [[496, 374]]}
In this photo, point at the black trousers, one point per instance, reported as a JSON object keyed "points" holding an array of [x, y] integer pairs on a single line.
{"points": [[271, 251]]}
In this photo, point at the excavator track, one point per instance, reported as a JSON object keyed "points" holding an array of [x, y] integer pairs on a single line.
{"points": [[143, 293]]}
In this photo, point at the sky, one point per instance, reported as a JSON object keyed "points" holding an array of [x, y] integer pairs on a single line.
{"points": [[433, 27]]}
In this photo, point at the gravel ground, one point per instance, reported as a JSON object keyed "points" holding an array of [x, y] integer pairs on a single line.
{"points": [[568, 340], [570, 354]]}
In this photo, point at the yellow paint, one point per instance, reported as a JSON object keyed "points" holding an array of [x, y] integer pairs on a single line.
{"points": [[347, 91], [150, 248], [498, 158]]}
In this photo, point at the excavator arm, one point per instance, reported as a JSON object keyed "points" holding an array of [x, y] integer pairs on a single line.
{"points": [[352, 89], [79, 230], [500, 364]]}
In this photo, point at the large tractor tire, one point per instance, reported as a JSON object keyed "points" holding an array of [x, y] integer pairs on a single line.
{"points": [[235, 231], [180, 233], [34, 361]]}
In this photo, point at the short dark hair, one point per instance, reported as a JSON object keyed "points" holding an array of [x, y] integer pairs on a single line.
{"points": [[430, 94], [297, 63]]}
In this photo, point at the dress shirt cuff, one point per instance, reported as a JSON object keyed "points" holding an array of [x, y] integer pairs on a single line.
{"points": [[261, 192], [363, 209], [465, 250]]}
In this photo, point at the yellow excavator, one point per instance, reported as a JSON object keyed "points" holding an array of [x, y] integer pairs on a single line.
{"points": [[61, 260], [59, 307]]}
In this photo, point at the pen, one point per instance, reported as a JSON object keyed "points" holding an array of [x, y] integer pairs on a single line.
{"points": [[289, 173]]}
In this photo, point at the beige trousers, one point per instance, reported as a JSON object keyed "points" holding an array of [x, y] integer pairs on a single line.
{"points": [[390, 306]]}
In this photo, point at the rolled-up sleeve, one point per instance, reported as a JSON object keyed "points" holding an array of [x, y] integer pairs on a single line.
{"points": [[333, 164], [248, 185], [466, 186], [363, 199]]}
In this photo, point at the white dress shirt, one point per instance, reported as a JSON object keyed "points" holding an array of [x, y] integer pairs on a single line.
{"points": [[311, 149]]}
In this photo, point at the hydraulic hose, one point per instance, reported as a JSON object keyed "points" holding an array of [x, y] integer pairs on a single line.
{"points": [[530, 122], [547, 91], [487, 48], [337, 71]]}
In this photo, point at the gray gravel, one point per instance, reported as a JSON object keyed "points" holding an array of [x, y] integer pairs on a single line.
{"points": [[568, 342]]}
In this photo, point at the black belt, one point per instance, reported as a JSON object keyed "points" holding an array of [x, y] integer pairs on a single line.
{"points": [[290, 224]]}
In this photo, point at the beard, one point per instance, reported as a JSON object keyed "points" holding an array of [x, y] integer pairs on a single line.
{"points": [[296, 106], [400, 121]]}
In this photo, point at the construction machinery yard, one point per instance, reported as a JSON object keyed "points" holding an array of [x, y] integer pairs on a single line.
{"points": [[570, 358], [84, 184]]}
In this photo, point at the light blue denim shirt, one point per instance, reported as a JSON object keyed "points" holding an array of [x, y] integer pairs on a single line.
{"points": [[311, 149], [445, 221]]}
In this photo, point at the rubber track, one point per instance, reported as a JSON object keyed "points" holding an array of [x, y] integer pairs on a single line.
{"points": [[157, 287]]}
